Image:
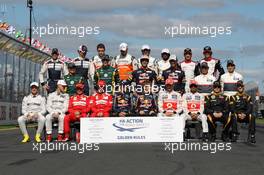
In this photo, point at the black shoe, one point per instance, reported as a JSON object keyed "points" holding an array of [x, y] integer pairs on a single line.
{"points": [[234, 137], [205, 137], [212, 137], [224, 137], [252, 138]]}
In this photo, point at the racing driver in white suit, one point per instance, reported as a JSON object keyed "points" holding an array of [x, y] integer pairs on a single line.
{"points": [[193, 106], [169, 101]]}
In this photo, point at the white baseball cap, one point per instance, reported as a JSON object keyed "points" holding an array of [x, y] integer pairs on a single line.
{"points": [[144, 57], [173, 57], [123, 46], [34, 84], [62, 82], [165, 51], [145, 47]]}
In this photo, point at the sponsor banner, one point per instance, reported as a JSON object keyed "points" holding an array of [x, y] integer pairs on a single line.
{"points": [[132, 129]]}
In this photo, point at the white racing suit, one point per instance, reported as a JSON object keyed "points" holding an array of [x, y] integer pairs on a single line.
{"points": [[190, 69], [56, 103], [228, 82], [205, 83], [215, 67], [169, 102], [33, 109], [162, 65], [194, 103]]}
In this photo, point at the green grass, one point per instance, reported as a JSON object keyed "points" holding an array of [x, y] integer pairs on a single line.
{"points": [[7, 126], [14, 126], [260, 121]]}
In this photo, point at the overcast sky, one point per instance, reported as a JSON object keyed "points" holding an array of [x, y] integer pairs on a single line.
{"points": [[138, 22]]}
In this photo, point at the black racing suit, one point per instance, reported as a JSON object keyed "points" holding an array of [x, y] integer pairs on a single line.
{"points": [[217, 103], [146, 103], [122, 103], [178, 77], [55, 70], [242, 103], [83, 68], [143, 76]]}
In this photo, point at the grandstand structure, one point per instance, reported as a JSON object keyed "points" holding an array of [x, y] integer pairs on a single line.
{"points": [[19, 65]]}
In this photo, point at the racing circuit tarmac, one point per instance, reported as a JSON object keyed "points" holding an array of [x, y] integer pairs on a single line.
{"points": [[129, 159]]}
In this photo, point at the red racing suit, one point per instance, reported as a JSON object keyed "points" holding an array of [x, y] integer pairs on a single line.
{"points": [[101, 103], [77, 103]]}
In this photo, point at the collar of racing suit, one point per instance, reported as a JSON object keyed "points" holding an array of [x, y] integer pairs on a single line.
{"points": [[34, 95], [175, 68], [59, 92], [169, 92], [194, 93], [144, 68], [106, 67], [240, 94], [166, 60], [81, 58], [217, 94], [79, 95], [231, 73], [57, 60], [208, 59], [188, 61]]}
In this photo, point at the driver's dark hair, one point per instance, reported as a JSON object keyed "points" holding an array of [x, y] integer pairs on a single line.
{"points": [[101, 45]]}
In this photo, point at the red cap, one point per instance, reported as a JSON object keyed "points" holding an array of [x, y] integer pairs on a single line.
{"points": [[101, 83], [193, 82], [79, 85], [169, 81]]}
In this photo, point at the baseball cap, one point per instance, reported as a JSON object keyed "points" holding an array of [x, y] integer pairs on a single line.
{"points": [[34, 84], [79, 86], [82, 48], [54, 51], [240, 83], [230, 62], [101, 83], [71, 65], [169, 81], [123, 46], [216, 84], [204, 65], [145, 47], [165, 51], [193, 83], [207, 49], [173, 58], [187, 50], [144, 57], [106, 57], [62, 82]]}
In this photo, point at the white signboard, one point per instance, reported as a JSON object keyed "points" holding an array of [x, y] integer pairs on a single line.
{"points": [[132, 129]]}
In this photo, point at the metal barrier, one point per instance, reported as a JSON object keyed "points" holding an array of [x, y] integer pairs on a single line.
{"points": [[9, 112]]}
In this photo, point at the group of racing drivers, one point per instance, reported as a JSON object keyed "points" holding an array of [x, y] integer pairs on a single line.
{"points": [[126, 86]]}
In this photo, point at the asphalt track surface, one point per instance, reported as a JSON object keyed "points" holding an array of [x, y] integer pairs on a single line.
{"points": [[129, 159]]}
